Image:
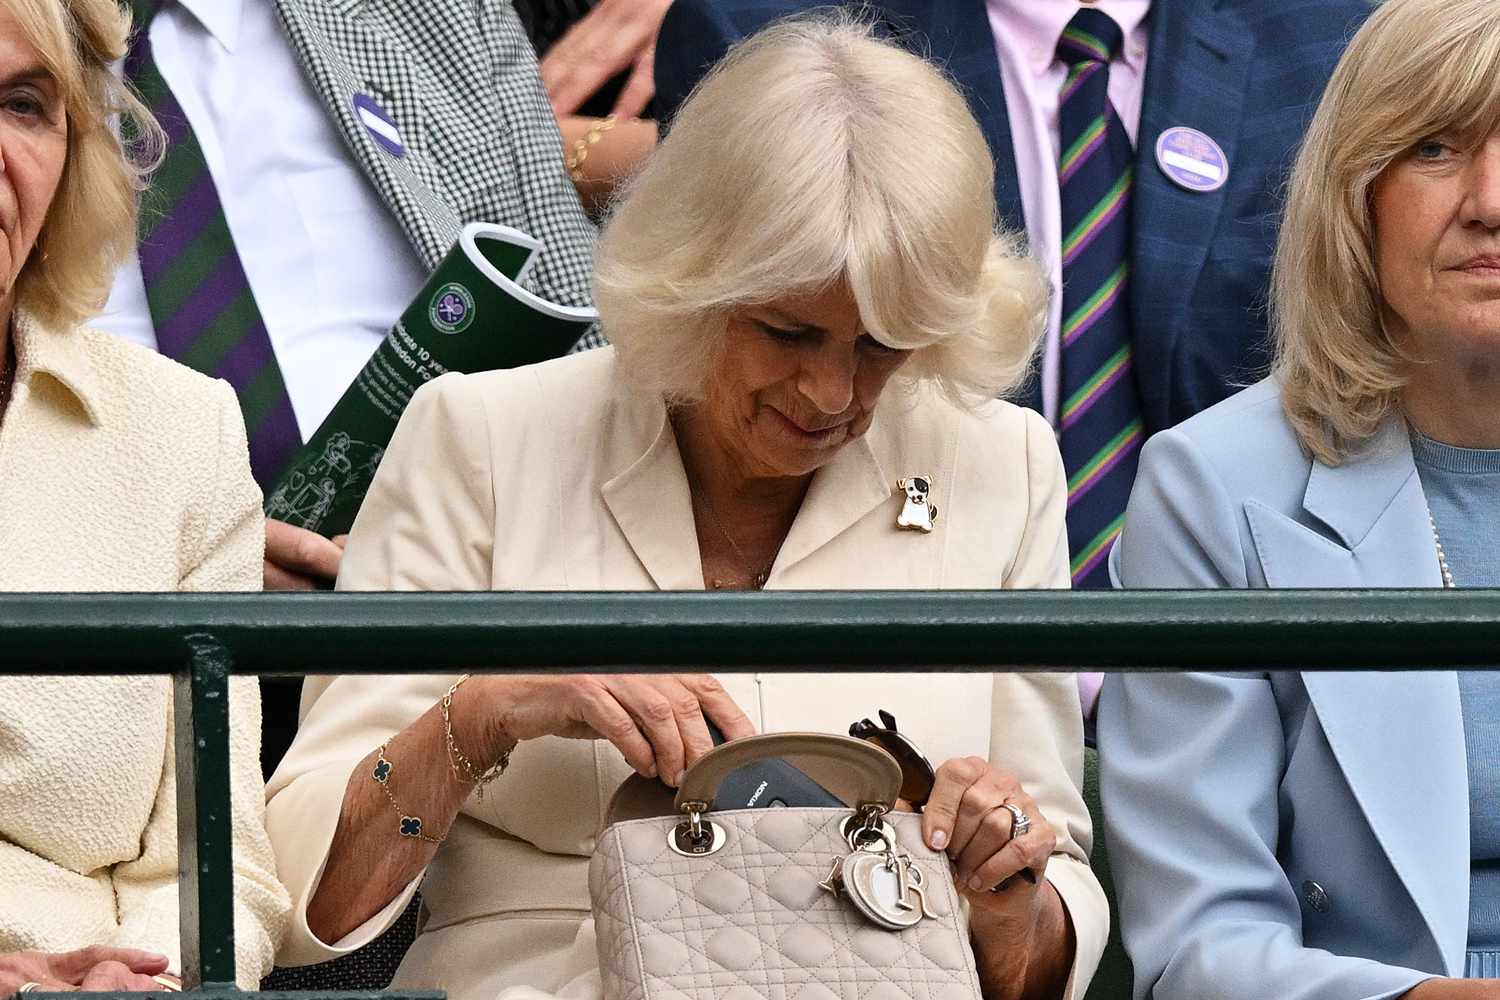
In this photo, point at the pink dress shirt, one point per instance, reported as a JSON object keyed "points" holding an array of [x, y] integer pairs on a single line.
{"points": [[1026, 34]]}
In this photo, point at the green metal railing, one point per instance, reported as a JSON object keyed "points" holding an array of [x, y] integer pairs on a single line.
{"points": [[203, 639]]}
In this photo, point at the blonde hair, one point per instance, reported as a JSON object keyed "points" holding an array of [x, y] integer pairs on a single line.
{"points": [[816, 154], [1417, 68], [90, 226]]}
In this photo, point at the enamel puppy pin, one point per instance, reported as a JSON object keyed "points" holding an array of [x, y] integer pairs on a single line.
{"points": [[917, 512]]}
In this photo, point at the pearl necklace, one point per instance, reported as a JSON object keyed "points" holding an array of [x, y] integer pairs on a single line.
{"points": [[1437, 541]]}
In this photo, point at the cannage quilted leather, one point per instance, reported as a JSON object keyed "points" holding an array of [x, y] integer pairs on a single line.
{"points": [[751, 923]]}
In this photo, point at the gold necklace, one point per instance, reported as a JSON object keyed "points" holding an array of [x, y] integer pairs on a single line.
{"points": [[757, 580]]}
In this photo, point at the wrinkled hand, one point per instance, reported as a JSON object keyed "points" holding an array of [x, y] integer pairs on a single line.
{"points": [[614, 35], [1023, 939], [94, 968], [1455, 989], [656, 720], [965, 816], [298, 559]]}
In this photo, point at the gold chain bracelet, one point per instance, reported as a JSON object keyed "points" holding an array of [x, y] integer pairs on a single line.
{"points": [[411, 826], [581, 146], [464, 768]]}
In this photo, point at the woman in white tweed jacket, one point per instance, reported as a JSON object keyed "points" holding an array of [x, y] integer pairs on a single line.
{"points": [[119, 470]]}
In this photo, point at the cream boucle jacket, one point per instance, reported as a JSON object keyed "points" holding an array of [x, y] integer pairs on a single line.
{"points": [[119, 470]]}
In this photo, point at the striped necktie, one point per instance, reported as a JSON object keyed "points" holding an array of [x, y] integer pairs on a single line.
{"points": [[200, 300], [1100, 414]]}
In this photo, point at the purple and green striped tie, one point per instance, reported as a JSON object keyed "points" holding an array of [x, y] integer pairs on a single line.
{"points": [[1099, 412], [200, 300]]}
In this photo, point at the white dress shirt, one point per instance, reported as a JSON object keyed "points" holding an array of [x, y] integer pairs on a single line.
{"points": [[329, 265], [1026, 34]]}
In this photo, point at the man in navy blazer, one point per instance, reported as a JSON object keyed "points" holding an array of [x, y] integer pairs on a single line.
{"points": [[1247, 73]]}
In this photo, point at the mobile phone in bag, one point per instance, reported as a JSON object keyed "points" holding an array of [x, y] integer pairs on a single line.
{"points": [[768, 784]]}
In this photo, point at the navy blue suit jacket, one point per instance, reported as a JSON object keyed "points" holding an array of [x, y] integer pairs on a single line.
{"points": [[1249, 73]]}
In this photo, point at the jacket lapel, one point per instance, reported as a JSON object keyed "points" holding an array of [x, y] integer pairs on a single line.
{"points": [[841, 493], [1398, 736], [651, 503], [1197, 66], [343, 54], [1369, 523], [1399, 739]]}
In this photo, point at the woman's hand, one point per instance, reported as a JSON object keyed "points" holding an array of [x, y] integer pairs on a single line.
{"points": [[612, 36], [1022, 936], [1454, 989], [655, 720], [94, 968]]}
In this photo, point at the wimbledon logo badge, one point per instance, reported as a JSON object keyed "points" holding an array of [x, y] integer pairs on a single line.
{"points": [[452, 308]]}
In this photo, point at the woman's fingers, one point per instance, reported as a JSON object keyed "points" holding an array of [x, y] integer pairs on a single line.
{"points": [[639, 88], [720, 707], [602, 712], [73, 966], [940, 817], [992, 832], [656, 706], [1027, 853], [116, 976]]}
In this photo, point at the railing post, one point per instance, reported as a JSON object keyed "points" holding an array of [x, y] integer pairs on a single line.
{"points": [[205, 828]]}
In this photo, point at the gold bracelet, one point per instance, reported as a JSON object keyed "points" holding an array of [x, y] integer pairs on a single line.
{"points": [[581, 146], [411, 826], [464, 768]]}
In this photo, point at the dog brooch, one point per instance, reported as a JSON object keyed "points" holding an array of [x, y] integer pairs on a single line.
{"points": [[917, 512]]}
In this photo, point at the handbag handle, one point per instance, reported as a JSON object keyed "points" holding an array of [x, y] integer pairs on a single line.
{"points": [[867, 774]]}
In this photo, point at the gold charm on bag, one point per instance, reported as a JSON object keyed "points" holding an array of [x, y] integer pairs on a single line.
{"points": [[880, 878]]}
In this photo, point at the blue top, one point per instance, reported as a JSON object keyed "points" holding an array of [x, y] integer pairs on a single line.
{"points": [[1463, 491]]}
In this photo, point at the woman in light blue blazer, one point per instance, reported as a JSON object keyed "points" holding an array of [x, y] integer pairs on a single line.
{"points": [[1278, 836]]}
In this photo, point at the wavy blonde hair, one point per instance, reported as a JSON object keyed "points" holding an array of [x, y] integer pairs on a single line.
{"points": [[90, 226], [1417, 68], [814, 154]]}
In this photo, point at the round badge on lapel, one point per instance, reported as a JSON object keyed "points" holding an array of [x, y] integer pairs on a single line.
{"points": [[379, 123], [1191, 160]]}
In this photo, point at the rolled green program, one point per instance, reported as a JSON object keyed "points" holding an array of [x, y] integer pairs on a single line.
{"points": [[471, 316]]}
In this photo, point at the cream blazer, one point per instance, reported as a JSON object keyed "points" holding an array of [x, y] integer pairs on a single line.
{"points": [[120, 470], [548, 478]]}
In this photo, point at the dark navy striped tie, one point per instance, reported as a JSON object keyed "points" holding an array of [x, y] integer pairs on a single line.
{"points": [[1100, 409], [200, 300]]}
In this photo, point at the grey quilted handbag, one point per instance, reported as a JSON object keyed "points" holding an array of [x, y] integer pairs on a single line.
{"points": [[780, 903]]}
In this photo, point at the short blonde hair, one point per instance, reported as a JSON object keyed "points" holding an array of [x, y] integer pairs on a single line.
{"points": [[1417, 68], [814, 154], [90, 227]]}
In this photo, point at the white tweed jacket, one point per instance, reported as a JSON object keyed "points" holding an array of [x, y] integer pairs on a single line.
{"points": [[119, 470]]}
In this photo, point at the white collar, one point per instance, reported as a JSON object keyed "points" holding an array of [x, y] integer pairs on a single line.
{"points": [[221, 18]]}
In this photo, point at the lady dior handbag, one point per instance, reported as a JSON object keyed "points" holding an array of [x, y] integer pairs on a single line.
{"points": [[806, 903]]}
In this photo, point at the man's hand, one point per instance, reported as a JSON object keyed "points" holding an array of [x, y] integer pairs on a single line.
{"points": [[298, 559], [615, 35]]}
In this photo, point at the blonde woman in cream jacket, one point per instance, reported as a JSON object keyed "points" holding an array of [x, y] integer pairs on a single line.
{"points": [[785, 370], [119, 470]]}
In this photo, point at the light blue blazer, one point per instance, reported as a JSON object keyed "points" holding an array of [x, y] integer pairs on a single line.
{"points": [[1283, 836]]}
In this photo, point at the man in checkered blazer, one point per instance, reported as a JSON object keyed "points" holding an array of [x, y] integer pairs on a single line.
{"points": [[345, 143]]}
